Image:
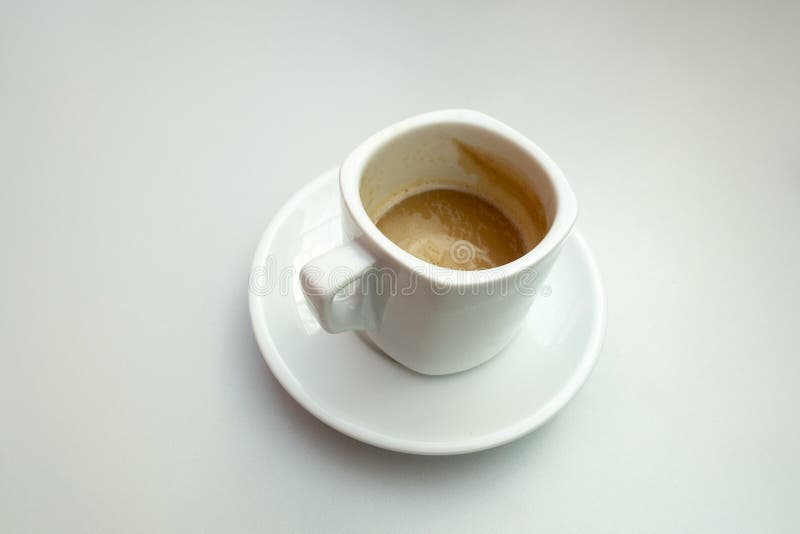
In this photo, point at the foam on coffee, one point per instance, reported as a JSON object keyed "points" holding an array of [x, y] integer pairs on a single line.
{"points": [[481, 218], [452, 229]]}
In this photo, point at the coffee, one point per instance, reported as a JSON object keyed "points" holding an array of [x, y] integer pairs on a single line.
{"points": [[455, 206], [453, 229]]}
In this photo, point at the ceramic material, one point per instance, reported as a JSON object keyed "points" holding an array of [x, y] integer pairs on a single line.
{"points": [[350, 385], [433, 320]]}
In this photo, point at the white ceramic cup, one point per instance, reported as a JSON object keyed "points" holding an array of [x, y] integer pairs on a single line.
{"points": [[431, 319]]}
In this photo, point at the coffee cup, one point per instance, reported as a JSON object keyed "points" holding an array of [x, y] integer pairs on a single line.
{"points": [[437, 320]]}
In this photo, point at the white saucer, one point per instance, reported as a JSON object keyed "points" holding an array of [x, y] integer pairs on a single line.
{"points": [[356, 389]]}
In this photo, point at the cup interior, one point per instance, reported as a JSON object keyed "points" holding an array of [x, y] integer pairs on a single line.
{"points": [[467, 157]]}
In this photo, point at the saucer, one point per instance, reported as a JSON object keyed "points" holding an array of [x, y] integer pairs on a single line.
{"points": [[349, 384]]}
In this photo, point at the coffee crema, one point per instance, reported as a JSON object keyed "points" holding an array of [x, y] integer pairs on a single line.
{"points": [[453, 229], [454, 205]]}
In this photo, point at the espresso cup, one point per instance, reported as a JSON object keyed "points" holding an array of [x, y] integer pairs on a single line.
{"points": [[432, 319]]}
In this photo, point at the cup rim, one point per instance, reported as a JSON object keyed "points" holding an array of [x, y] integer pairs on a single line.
{"points": [[352, 171]]}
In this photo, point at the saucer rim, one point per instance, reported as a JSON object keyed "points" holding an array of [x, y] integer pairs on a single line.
{"points": [[508, 434]]}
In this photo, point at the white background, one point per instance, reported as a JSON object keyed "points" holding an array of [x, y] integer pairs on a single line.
{"points": [[144, 147]]}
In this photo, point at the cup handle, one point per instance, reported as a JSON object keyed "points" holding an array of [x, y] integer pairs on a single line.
{"points": [[324, 278]]}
